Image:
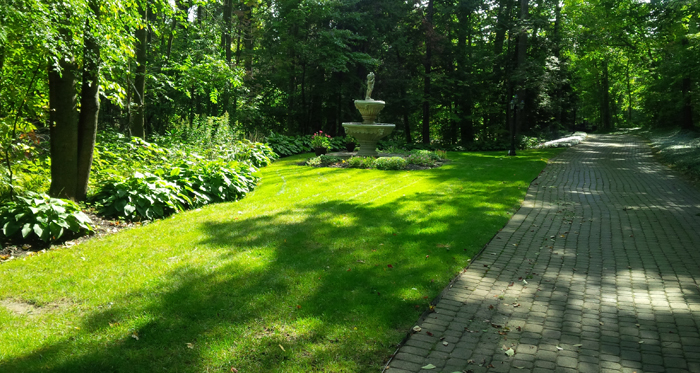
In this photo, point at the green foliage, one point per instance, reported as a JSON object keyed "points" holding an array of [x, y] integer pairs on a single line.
{"points": [[321, 140], [323, 160], [31, 166], [421, 158], [214, 181], [361, 162], [287, 145], [290, 145], [390, 163], [143, 196], [37, 216]]}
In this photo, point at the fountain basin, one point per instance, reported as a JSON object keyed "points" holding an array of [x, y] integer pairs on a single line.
{"points": [[367, 135], [369, 109]]}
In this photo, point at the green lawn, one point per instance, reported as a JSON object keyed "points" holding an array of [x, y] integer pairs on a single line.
{"points": [[294, 278]]}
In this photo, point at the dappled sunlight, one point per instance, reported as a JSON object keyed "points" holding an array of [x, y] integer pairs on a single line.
{"points": [[315, 263], [601, 262]]}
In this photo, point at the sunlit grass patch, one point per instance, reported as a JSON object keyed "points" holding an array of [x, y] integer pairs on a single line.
{"points": [[319, 269]]}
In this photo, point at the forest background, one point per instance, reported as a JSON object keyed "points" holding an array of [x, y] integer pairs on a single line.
{"points": [[455, 74]]}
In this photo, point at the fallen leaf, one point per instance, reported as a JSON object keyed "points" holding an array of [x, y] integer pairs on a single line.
{"points": [[525, 282], [519, 367], [519, 328], [578, 345], [427, 256], [491, 306], [470, 361], [234, 370], [135, 336], [417, 329], [282, 348], [429, 333], [390, 266], [429, 366], [360, 261], [510, 352], [559, 348], [490, 366], [190, 345], [444, 343], [349, 269]]}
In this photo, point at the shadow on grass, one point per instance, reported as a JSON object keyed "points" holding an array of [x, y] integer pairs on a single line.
{"points": [[307, 289]]}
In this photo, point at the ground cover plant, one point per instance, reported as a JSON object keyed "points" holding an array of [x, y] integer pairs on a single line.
{"points": [[677, 148], [318, 269]]}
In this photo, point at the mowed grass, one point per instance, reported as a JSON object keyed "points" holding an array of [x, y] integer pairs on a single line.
{"points": [[318, 270]]}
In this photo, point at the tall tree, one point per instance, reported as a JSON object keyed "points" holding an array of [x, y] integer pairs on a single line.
{"points": [[138, 126]]}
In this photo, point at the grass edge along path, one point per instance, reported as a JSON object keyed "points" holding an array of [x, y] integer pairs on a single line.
{"points": [[319, 269]]}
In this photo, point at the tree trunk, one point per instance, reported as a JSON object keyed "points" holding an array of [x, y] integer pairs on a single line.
{"points": [[605, 98], [629, 94], [427, 66], [138, 126], [522, 57], [687, 116], [63, 129], [464, 97], [89, 106]]}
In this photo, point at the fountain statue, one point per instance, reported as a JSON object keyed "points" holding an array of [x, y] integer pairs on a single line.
{"points": [[368, 132]]}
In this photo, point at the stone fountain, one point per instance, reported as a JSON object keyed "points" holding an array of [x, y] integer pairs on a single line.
{"points": [[369, 131]]}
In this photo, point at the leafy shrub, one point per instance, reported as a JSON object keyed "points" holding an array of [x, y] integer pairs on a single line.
{"points": [[323, 160], [360, 162], [290, 145], [390, 163], [424, 157], [257, 154], [205, 182], [143, 196], [39, 216], [420, 160]]}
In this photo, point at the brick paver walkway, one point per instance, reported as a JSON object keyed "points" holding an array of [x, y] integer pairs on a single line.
{"points": [[597, 272]]}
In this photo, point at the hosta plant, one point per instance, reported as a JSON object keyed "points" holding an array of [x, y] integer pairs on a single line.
{"points": [[37, 216], [143, 196], [207, 182]]}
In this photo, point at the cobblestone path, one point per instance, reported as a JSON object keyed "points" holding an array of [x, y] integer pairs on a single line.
{"points": [[597, 272]]}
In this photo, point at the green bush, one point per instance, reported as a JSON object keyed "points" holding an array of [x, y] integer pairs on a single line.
{"points": [[290, 145], [143, 196], [361, 162], [205, 182], [38, 216], [323, 160], [422, 158], [390, 163]]}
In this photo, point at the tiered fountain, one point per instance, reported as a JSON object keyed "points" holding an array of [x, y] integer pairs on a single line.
{"points": [[369, 131]]}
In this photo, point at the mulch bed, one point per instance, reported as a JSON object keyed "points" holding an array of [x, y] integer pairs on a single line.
{"points": [[102, 226]]}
